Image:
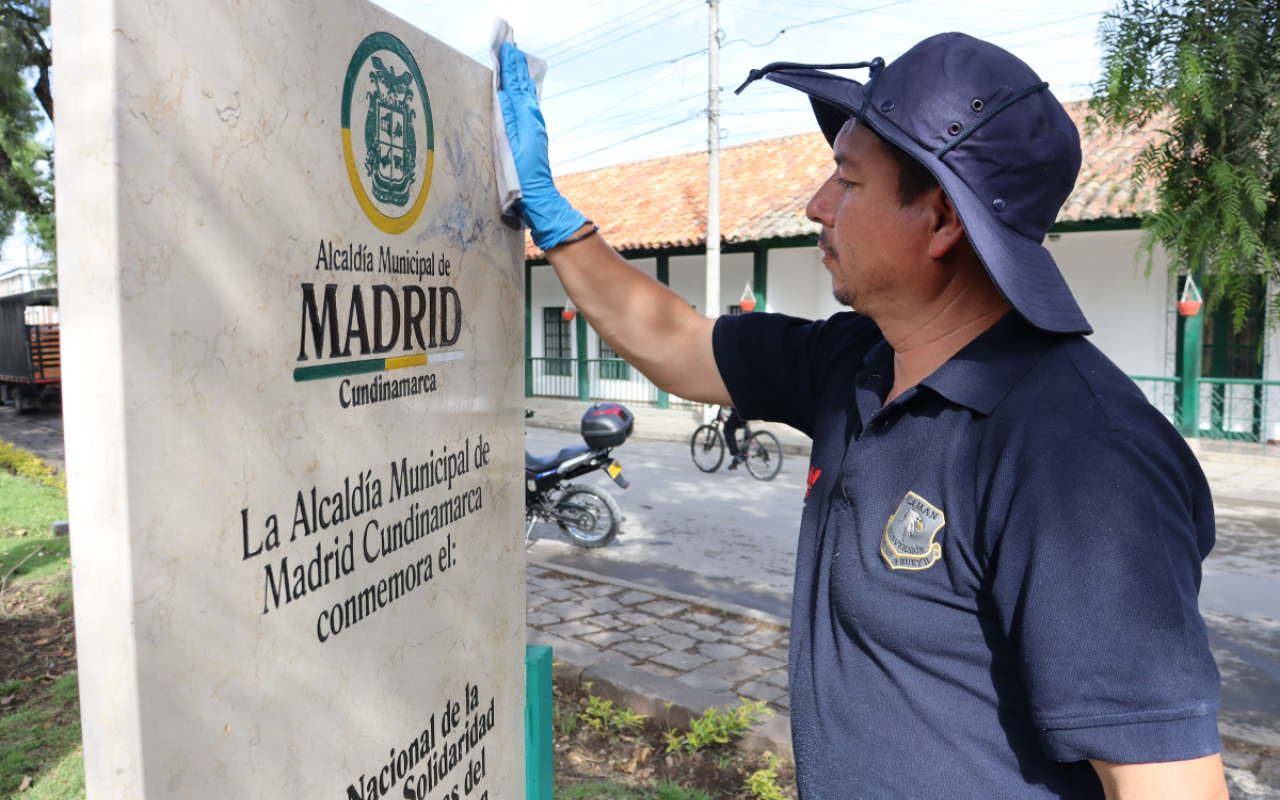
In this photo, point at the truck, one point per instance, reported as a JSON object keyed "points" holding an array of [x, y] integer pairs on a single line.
{"points": [[30, 354]]}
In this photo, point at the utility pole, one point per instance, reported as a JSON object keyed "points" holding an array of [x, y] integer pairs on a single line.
{"points": [[713, 167]]}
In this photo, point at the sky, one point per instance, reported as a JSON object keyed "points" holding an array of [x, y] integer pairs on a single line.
{"points": [[598, 114], [628, 79]]}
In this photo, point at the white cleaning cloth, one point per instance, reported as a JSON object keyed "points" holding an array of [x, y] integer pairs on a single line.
{"points": [[504, 164]]}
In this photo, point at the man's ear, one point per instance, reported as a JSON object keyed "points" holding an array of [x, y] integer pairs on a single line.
{"points": [[945, 228]]}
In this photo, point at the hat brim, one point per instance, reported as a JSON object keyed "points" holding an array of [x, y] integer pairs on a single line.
{"points": [[1021, 268]]}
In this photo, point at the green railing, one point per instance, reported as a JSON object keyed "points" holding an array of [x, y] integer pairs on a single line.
{"points": [[1239, 410], [1235, 414], [552, 377], [596, 379], [1162, 392]]}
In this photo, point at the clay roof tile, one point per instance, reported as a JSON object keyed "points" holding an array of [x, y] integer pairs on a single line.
{"points": [[661, 202]]}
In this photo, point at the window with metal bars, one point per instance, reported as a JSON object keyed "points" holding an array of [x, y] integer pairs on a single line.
{"points": [[557, 345], [617, 370]]}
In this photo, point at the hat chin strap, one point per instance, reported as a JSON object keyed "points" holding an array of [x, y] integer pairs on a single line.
{"points": [[984, 119], [876, 64]]}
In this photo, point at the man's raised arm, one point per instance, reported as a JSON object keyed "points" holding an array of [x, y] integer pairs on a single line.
{"points": [[646, 323]]}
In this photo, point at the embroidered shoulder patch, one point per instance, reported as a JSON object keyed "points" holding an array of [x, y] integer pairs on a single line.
{"points": [[908, 541]]}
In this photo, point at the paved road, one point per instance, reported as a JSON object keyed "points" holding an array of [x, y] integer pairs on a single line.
{"points": [[728, 536], [39, 432]]}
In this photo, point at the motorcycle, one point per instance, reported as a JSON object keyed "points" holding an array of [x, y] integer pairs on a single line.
{"points": [[588, 516]]}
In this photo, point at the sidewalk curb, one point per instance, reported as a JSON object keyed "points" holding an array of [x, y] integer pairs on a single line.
{"points": [[653, 695], [1219, 489], [731, 608]]}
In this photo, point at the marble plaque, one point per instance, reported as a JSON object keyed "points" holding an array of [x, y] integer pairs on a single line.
{"points": [[292, 332]]}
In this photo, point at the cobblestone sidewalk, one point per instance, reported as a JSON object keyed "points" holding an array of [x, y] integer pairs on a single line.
{"points": [[704, 648], [729, 654]]}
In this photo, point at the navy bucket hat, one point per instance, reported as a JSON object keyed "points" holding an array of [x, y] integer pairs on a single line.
{"points": [[986, 126]]}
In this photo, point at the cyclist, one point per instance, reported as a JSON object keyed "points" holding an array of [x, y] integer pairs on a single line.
{"points": [[732, 424]]}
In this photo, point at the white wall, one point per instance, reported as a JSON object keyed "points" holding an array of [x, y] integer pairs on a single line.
{"points": [[1129, 311], [548, 292], [688, 276], [794, 282]]}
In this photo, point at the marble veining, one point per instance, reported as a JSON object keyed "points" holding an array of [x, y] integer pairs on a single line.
{"points": [[296, 526]]}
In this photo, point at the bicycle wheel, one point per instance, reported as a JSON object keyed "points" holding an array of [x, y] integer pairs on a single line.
{"points": [[598, 515], [707, 447], [764, 455]]}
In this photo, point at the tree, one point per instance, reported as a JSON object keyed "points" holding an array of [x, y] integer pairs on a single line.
{"points": [[1207, 74], [26, 98]]}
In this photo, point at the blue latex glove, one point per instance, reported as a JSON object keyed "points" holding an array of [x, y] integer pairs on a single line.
{"points": [[548, 215]]}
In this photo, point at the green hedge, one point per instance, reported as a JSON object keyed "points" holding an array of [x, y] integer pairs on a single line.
{"points": [[28, 465]]}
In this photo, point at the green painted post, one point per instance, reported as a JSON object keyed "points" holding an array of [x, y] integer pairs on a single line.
{"points": [[664, 277], [538, 742], [584, 385], [1189, 408], [528, 330], [760, 276]]}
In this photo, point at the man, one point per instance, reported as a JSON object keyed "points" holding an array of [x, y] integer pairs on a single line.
{"points": [[732, 424], [999, 557]]}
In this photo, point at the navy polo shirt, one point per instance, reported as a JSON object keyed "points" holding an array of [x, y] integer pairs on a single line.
{"points": [[997, 573]]}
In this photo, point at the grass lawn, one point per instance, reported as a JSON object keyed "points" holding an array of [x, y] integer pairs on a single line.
{"points": [[26, 509], [611, 790], [39, 692], [28, 506], [41, 740]]}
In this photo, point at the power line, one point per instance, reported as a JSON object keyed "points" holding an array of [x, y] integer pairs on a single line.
{"points": [[632, 97], [634, 112], [626, 35], [623, 74], [630, 123], [596, 33], [636, 117], [531, 34], [952, 7], [1018, 30], [819, 22], [597, 30], [738, 103], [691, 147], [633, 138], [1050, 22], [1050, 39]]}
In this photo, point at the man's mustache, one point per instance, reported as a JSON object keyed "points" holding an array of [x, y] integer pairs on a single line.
{"points": [[824, 243]]}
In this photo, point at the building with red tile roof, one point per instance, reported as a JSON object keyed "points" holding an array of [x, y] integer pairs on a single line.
{"points": [[661, 203], [654, 213]]}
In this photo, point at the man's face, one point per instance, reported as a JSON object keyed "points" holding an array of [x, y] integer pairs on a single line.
{"points": [[870, 243]]}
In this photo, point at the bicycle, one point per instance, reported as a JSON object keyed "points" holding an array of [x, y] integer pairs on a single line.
{"points": [[762, 449]]}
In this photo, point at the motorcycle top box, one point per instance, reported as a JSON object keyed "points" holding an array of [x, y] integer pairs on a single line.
{"points": [[606, 425]]}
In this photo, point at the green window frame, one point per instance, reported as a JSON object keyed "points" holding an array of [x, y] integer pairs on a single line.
{"points": [[615, 369], [557, 342]]}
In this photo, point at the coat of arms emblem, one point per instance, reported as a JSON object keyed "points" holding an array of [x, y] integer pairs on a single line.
{"points": [[391, 148], [386, 121], [908, 541]]}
